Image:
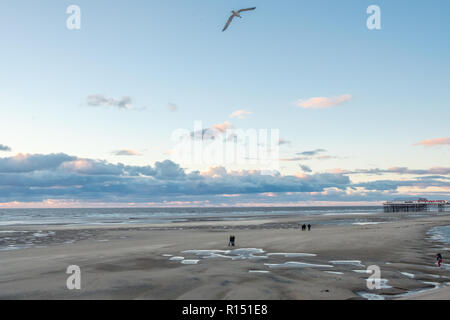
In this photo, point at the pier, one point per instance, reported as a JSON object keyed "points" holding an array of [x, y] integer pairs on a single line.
{"points": [[416, 205]]}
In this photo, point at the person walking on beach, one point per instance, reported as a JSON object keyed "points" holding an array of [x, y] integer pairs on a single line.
{"points": [[304, 227], [232, 243], [439, 259], [309, 227]]}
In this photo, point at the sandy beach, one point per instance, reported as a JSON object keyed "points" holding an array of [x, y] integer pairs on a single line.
{"points": [[273, 260]]}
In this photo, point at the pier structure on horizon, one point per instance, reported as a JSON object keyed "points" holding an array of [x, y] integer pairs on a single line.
{"points": [[416, 205]]}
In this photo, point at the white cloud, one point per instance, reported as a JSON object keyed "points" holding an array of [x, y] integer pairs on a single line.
{"points": [[323, 102], [240, 114], [98, 100]]}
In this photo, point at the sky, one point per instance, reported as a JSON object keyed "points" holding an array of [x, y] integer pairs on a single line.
{"points": [[93, 116]]}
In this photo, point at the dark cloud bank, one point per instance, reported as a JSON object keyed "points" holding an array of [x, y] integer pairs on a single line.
{"points": [[30, 178]]}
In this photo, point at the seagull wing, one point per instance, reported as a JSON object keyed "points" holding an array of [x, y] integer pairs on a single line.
{"points": [[228, 23], [248, 9]]}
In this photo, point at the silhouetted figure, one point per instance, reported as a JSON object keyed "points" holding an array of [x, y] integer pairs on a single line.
{"points": [[439, 259], [309, 227], [304, 227], [232, 241]]}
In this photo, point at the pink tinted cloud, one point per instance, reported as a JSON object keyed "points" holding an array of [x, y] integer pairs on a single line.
{"points": [[222, 127], [434, 142], [323, 102], [240, 114]]}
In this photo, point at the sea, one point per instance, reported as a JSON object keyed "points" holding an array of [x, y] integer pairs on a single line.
{"points": [[111, 216], [440, 234]]}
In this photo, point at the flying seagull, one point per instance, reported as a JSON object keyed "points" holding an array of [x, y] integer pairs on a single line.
{"points": [[236, 14]]}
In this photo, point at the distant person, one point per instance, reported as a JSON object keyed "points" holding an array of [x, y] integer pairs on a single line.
{"points": [[439, 259], [232, 241], [304, 227], [309, 227]]}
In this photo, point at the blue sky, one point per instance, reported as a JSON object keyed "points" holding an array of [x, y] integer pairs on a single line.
{"points": [[173, 52]]}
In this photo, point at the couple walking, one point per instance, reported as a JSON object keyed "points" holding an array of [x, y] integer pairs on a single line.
{"points": [[305, 226]]}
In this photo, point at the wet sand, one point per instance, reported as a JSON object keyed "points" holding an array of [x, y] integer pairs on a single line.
{"points": [[438, 294], [134, 262]]}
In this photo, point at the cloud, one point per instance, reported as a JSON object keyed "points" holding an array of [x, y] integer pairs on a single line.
{"points": [[99, 100], [213, 133], [65, 178], [434, 142], [308, 158], [305, 168], [126, 153], [296, 159], [240, 114], [283, 142], [35, 162], [222, 127], [392, 185], [326, 157], [402, 171], [311, 153], [172, 107], [90, 167], [4, 148], [323, 102], [59, 176]]}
